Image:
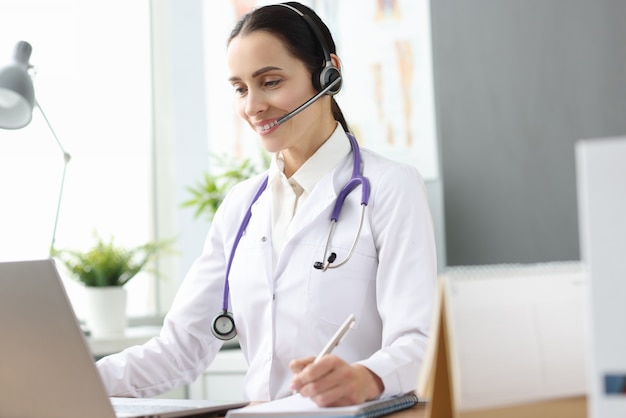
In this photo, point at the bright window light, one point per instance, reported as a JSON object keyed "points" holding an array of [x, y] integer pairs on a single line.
{"points": [[93, 80]]}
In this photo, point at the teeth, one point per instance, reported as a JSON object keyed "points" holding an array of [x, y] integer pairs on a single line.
{"points": [[267, 126]]}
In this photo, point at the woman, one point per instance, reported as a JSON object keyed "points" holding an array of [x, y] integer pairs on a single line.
{"points": [[288, 289]]}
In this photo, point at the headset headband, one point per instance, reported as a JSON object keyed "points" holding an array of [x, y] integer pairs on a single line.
{"points": [[329, 72]]}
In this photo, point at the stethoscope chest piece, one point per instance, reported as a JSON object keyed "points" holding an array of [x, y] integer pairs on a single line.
{"points": [[224, 326]]}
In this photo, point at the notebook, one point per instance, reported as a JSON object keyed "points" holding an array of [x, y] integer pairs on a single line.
{"points": [[47, 369], [296, 406]]}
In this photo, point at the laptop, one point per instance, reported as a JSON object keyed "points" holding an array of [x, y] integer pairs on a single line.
{"points": [[46, 367]]}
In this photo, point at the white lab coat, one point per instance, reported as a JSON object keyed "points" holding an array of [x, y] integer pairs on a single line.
{"points": [[289, 313]]}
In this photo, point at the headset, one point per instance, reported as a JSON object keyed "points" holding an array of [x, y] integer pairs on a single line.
{"points": [[329, 72]]}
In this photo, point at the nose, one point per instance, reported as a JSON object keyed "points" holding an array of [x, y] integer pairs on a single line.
{"points": [[255, 103]]}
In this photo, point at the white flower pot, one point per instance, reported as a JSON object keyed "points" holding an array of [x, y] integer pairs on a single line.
{"points": [[105, 311]]}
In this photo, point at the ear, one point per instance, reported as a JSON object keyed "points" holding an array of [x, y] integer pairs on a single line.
{"points": [[336, 61]]}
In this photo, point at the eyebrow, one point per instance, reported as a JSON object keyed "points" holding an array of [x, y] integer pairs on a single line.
{"points": [[258, 72]]}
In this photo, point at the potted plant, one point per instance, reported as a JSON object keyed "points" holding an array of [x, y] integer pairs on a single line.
{"points": [[103, 270], [208, 194]]}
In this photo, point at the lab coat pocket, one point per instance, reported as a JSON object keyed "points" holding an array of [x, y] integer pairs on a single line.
{"points": [[336, 293]]}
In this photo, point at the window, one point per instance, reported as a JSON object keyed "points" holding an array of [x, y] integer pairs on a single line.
{"points": [[93, 81]]}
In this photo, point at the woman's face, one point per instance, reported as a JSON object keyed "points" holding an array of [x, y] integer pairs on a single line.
{"points": [[269, 83]]}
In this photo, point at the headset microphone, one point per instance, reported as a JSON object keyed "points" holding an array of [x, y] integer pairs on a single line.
{"points": [[327, 79], [309, 102]]}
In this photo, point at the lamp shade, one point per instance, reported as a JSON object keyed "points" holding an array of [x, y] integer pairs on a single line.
{"points": [[17, 95]]}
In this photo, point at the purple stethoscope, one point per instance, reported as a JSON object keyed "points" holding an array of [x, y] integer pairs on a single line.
{"points": [[224, 323]]}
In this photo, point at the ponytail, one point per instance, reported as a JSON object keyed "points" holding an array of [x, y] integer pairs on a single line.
{"points": [[338, 114]]}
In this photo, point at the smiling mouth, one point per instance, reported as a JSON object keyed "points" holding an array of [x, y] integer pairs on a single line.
{"points": [[266, 127]]}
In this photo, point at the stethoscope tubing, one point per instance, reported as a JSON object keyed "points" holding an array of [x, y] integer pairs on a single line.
{"points": [[327, 264], [355, 180], [240, 232]]}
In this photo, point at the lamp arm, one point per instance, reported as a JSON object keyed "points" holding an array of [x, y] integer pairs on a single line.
{"points": [[66, 160]]}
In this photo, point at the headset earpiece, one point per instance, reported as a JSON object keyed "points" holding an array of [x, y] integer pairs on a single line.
{"points": [[325, 76]]}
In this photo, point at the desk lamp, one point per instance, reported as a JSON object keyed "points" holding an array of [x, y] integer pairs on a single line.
{"points": [[17, 100]]}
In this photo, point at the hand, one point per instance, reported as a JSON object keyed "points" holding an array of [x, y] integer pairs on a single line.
{"points": [[333, 382]]}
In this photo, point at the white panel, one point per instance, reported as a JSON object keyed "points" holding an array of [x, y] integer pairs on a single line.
{"points": [[601, 177]]}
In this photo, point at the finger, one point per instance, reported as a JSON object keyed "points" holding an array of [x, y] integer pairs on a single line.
{"points": [[319, 377], [297, 365], [312, 375], [334, 396], [333, 389], [343, 385]]}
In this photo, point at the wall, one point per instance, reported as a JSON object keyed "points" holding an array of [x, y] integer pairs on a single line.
{"points": [[517, 83], [181, 149]]}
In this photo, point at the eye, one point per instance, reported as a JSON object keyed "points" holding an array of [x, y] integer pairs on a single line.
{"points": [[272, 83], [240, 90]]}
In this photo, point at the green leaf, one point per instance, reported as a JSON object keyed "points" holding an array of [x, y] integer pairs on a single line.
{"points": [[207, 194], [106, 264]]}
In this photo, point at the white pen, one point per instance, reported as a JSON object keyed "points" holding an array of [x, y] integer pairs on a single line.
{"points": [[341, 332]]}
